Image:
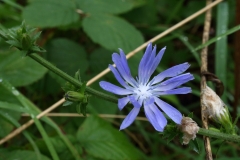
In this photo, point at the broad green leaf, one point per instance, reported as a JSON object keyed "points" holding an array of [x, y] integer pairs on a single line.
{"points": [[100, 59], [67, 55], [112, 32], [145, 15], [18, 70], [99, 105], [20, 155], [50, 13], [101, 140], [105, 6]]}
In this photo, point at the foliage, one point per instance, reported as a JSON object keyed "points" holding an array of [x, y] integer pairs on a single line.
{"points": [[82, 34]]}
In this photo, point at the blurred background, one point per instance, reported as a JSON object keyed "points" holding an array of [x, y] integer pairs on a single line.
{"points": [[83, 34]]}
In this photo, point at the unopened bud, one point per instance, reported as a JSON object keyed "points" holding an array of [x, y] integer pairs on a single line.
{"points": [[26, 42], [189, 128], [217, 110], [74, 96]]}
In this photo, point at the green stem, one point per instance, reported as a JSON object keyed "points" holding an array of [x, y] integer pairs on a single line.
{"points": [[219, 135], [70, 79]]}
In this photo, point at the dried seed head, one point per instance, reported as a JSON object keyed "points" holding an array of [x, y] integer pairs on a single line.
{"points": [[215, 106], [189, 128], [216, 110]]}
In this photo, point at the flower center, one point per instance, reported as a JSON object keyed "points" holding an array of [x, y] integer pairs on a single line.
{"points": [[143, 91]]}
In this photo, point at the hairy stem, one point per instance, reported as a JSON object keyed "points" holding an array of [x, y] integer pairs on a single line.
{"points": [[70, 79], [219, 135]]}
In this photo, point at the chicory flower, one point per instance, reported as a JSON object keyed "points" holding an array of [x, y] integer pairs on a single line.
{"points": [[145, 92]]}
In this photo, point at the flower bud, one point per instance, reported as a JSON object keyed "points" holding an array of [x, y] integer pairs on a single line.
{"points": [[216, 109], [74, 96], [26, 41], [189, 128]]}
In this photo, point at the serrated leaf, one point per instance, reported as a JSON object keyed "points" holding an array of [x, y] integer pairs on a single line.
{"points": [[50, 13], [67, 55], [105, 6], [112, 32], [101, 140], [18, 70]]}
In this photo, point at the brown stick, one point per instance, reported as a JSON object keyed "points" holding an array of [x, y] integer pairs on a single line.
{"points": [[237, 62], [204, 115], [104, 72]]}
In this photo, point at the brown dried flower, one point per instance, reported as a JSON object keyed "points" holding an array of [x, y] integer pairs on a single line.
{"points": [[189, 128]]}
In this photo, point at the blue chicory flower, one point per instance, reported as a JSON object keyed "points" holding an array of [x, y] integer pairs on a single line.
{"points": [[141, 91]]}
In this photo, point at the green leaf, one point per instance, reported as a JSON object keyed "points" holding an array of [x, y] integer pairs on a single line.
{"points": [[195, 146], [5, 126], [99, 105], [105, 6], [101, 140], [50, 13], [20, 155], [221, 53], [105, 56], [112, 32], [18, 70], [67, 55]]}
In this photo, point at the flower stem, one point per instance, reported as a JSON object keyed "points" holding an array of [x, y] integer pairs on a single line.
{"points": [[70, 79], [219, 135]]}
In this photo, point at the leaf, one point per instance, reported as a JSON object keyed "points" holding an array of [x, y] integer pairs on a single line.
{"points": [[101, 140], [20, 155], [99, 105], [105, 56], [5, 126], [105, 6], [18, 70], [50, 13], [112, 32], [195, 146], [67, 55]]}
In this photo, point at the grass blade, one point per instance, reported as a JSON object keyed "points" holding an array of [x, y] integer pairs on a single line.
{"points": [[221, 44], [218, 38]]}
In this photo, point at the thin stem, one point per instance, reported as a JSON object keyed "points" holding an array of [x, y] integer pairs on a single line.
{"points": [[204, 117], [70, 79], [202, 131], [219, 135]]}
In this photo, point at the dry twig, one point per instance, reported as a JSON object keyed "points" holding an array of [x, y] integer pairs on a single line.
{"points": [[204, 115]]}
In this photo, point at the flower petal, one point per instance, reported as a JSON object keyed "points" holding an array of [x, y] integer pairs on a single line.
{"points": [[162, 121], [134, 102], [123, 69], [148, 65], [122, 102], [172, 112], [124, 62], [114, 89], [118, 76], [130, 118], [152, 118], [183, 90], [184, 77], [143, 62], [173, 82], [155, 63], [171, 72]]}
